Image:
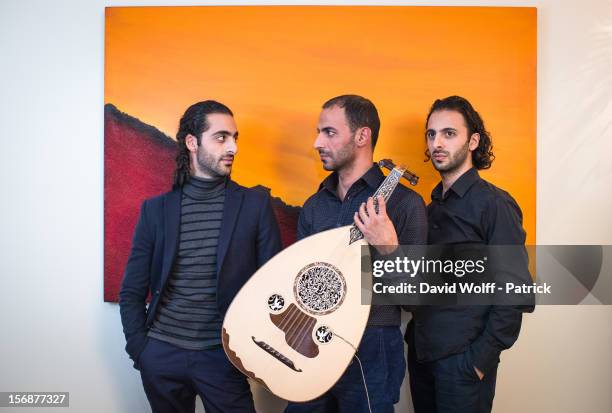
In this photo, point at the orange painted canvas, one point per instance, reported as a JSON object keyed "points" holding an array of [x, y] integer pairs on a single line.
{"points": [[274, 66]]}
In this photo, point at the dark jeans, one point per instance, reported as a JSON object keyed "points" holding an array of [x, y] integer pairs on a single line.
{"points": [[449, 385], [173, 376], [382, 355]]}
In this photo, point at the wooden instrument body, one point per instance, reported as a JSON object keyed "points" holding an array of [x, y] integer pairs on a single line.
{"points": [[296, 324], [277, 329]]}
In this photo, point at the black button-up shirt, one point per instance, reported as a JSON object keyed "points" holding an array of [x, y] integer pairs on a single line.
{"points": [[325, 210], [474, 211], [471, 211]]}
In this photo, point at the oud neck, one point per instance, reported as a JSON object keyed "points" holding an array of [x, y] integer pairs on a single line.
{"points": [[385, 190], [388, 185]]}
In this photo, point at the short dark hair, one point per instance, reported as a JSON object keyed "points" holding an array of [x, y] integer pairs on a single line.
{"points": [[482, 156], [193, 122], [359, 112]]}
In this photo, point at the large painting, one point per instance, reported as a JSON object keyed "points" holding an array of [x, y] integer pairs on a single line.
{"points": [[275, 66]]}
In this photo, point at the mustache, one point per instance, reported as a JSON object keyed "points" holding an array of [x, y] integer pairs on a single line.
{"points": [[323, 152], [227, 158], [434, 153]]}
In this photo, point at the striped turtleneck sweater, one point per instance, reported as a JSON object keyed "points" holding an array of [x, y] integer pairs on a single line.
{"points": [[187, 315]]}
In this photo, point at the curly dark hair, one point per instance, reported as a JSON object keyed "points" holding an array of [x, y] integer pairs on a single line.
{"points": [[482, 156], [194, 122], [359, 112]]}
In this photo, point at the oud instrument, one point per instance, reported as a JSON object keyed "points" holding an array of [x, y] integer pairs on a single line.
{"points": [[295, 325]]}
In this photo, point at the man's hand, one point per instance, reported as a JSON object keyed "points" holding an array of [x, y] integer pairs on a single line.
{"points": [[479, 373], [377, 228]]}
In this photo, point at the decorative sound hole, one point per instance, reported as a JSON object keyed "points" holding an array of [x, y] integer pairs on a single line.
{"points": [[276, 302], [323, 334], [319, 288]]}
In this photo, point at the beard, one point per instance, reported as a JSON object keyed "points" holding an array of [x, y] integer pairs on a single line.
{"points": [[454, 160], [213, 165], [338, 160]]}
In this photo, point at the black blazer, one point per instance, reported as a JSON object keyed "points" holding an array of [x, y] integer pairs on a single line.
{"points": [[249, 237]]}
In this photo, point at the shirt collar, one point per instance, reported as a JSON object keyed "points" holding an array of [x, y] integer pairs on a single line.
{"points": [[373, 177], [461, 185]]}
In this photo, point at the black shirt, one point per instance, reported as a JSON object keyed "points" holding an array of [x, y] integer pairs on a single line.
{"points": [[471, 211], [474, 211], [406, 209]]}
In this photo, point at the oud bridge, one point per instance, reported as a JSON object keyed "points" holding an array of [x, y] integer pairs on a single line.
{"points": [[276, 354]]}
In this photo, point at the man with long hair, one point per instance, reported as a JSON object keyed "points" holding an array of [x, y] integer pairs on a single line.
{"points": [[347, 134], [186, 254], [453, 351]]}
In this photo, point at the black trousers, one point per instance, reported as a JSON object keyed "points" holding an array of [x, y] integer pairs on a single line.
{"points": [[172, 377], [449, 385]]}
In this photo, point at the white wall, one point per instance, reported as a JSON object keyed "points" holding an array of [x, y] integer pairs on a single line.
{"points": [[58, 335]]}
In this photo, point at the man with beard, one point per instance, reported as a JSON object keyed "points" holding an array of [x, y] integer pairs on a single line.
{"points": [[347, 133], [453, 351], [193, 249]]}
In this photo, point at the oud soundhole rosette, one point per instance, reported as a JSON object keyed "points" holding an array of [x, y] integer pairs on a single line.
{"points": [[323, 335], [276, 302], [319, 288]]}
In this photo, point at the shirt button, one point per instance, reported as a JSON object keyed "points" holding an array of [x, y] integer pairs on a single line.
{"points": [[156, 292], [435, 226]]}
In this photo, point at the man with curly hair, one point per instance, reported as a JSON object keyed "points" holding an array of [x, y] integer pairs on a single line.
{"points": [[453, 351], [193, 249]]}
